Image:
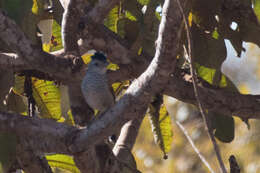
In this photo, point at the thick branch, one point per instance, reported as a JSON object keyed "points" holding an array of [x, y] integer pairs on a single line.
{"points": [[70, 22], [33, 56], [126, 140], [30, 162], [215, 99], [53, 136], [153, 80], [224, 102], [12, 61]]}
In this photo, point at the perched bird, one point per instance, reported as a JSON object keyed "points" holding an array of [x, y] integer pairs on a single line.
{"points": [[95, 88]]}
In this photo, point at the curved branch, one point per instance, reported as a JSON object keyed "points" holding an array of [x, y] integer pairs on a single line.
{"points": [[12, 61], [34, 56], [152, 81], [70, 22]]}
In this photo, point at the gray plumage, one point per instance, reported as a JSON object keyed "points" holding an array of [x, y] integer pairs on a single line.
{"points": [[95, 86]]}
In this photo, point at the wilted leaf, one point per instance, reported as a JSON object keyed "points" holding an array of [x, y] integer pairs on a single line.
{"points": [[56, 40], [161, 126], [62, 161]]}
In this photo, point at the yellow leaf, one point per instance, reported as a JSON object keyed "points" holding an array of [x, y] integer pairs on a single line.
{"points": [[62, 161], [190, 19], [86, 57], [161, 127], [47, 97]]}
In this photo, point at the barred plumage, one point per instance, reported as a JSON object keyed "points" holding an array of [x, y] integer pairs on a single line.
{"points": [[95, 85]]}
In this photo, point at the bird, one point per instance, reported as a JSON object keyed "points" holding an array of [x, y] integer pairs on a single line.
{"points": [[95, 88]]}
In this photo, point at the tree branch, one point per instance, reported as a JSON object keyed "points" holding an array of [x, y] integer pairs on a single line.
{"points": [[152, 81], [59, 67], [202, 158], [54, 136], [197, 94], [220, 100], [70, 22], [12, 61], [30, 162]]}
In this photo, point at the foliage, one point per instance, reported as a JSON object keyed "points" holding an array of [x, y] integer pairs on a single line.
{"points": [[211, 22]]}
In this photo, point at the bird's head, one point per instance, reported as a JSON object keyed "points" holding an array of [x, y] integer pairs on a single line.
{"points": [[98, 63]]}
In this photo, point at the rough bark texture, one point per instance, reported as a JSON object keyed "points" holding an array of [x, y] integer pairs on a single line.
{"points": [[161, 76]]}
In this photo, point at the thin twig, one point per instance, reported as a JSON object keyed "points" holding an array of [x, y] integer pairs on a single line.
{"points": [[194, 79], [202, 158]]}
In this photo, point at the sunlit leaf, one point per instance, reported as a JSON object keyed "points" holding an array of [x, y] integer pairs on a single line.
{"points": [[86, 57], [143, 2], [190, 19], [47, 97], [69, 119], [257, 8], [56, 40], [112, 19], [133, 7], [119, 86], [62, 161], [224, 125], [161, 127], [215, 34]]}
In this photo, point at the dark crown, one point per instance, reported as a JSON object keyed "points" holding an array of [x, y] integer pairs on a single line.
{"points": [[99, 56]]}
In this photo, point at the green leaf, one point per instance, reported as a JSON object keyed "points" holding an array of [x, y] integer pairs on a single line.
{"points": [[161, 126], [17, 9], [143, 2], [112, 19], [133, 7], [208, 51], [62, 161], [257, 8], [7, 149], [27, 14], [46, 95], [222, 124], [215, 34], [69, 119], [56, 40]]}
